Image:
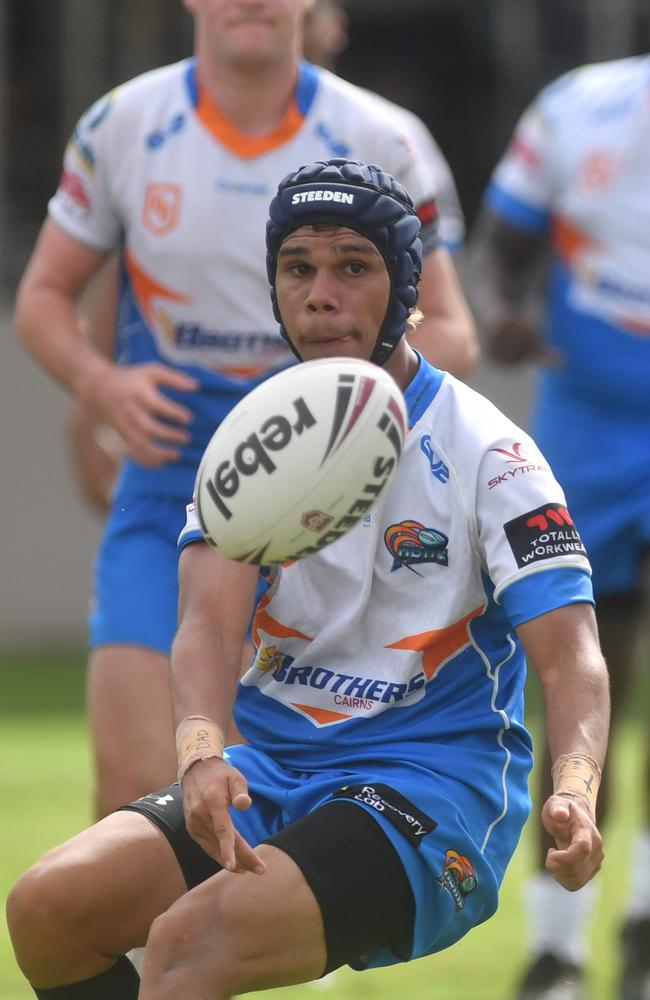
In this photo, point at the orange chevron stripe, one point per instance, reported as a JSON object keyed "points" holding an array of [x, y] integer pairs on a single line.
{"points": [[275, 628], [439, 644], [146, 287], [569, 241], [321, 715]]}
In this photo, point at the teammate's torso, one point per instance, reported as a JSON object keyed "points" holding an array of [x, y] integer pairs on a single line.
{"points": [[156, 167], [580, 163]]}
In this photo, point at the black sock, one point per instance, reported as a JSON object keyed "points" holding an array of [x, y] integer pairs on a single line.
{"points": [[120, 982]]}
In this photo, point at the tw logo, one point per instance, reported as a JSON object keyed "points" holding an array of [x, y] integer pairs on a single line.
{"points": [[557, 515]]}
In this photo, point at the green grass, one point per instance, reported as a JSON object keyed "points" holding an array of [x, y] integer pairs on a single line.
{"points": [[46, 793]]}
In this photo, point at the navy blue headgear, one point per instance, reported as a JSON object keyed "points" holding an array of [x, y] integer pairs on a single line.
{"points": [[374, 204]]}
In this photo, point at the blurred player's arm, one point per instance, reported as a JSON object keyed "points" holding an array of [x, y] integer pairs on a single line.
{"points": [[564, 649], [500, 272], [49, 323], [95, 450], [217, 597], [447, 334]]}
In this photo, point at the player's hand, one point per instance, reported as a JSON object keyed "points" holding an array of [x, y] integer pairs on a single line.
{"points": [[131, 401], [515, 339], [579, 852], [210, 788]]}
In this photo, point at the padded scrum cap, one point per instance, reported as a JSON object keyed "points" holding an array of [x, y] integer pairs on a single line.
{"points": [[370, 201]]}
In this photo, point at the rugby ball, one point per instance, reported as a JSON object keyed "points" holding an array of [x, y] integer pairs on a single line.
{"points": [[300, 460]]}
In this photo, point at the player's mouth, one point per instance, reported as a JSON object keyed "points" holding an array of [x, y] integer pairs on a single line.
{"points": [[323, 341]]}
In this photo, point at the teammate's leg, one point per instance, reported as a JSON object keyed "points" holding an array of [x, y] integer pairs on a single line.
{"points": [[635, 935], [559, 921], [129, 708], [85, 904]]}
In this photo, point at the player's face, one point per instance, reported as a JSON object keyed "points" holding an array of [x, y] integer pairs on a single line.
{"points": [[333, 289], [248, 32]]}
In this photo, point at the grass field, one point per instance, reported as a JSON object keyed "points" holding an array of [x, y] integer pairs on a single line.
{"points": [[46, 798]]}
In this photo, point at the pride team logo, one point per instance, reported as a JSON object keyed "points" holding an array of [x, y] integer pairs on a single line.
{"points": [[411, 543]]}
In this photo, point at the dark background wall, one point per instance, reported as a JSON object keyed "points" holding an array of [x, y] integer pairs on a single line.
{"points": [[467, 67]]}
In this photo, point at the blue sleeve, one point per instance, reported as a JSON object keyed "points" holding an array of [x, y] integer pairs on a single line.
{"points": [[188, 538], [536, 594], [518, 213]]}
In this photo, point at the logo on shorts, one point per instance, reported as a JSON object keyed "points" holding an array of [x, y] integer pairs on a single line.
{"points": [[458, 877], [543, 533], [162, 207], [410, 543], [399, 811]]}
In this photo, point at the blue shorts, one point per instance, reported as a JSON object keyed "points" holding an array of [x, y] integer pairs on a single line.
{"points": [[135, 592], [430, 823], [602, 463], [135, 587]]}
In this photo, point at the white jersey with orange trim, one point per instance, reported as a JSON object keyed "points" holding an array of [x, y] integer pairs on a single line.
{"points": [[155, 169], [397, 641], [578, 168]]}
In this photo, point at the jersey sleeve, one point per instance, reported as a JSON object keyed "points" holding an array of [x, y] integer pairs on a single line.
{"points": [[522, 187], [191, 531], [409, 167], [82, 205], [531, 547], [452, 220]]}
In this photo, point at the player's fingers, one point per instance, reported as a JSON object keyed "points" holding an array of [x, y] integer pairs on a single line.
{"points": [[247, 859], [149, 429], [173, 378], [150, 455], [170, 410], [556, 818], [238, 790], [224, 833]]}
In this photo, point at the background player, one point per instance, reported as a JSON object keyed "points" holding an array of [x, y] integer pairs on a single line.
{"points": [[94, 453], [574, 182], [424, 778], [176, 168], [325, 34]]}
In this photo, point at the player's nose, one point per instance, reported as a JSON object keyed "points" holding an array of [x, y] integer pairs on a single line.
{"points": [[322, 292]]}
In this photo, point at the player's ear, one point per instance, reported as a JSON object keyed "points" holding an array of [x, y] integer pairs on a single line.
{"points": [[190, 5]]}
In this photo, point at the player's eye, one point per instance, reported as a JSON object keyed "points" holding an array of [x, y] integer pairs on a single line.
{"points": [[354, 267], [300, 269]]}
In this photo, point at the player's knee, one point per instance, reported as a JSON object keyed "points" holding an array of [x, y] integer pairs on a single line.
{"points": [[179, 948], [41, 917]]}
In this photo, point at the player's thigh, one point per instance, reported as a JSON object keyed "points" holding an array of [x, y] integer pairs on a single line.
{"points": [[247, 931], [99, 891]]}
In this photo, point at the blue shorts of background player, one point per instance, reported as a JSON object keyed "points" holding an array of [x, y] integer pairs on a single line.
{"points": [[135, 592]]}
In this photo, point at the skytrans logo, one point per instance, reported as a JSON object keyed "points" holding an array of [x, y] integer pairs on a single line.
{"points": [[521, 465]]}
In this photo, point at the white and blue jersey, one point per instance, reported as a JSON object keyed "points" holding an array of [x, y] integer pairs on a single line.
{"points": [[577, 169], [156, 171], [395, 648]]}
